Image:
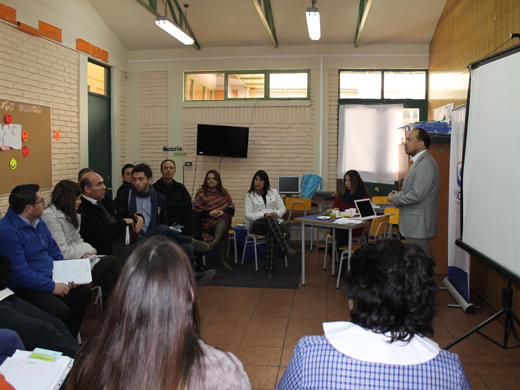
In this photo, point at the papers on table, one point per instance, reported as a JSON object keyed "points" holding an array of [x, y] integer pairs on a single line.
{"points": [[25, 373], [347, 221], [76, 270]]}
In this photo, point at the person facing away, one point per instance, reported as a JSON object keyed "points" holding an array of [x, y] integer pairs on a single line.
{"points": [[391, 292], [128, 179], [28, 243], [150, 335], [418, 201]]}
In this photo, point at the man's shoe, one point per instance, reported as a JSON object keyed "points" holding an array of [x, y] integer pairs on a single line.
{"points": [[270, 273], [203, 278], [290, 253], [201, 246]]}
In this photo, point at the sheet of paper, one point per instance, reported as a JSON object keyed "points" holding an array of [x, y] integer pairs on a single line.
{"points": [[347, 221], [76, 270]]}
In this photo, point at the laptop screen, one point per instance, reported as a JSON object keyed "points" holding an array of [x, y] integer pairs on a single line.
{"points": [[365, 208]]}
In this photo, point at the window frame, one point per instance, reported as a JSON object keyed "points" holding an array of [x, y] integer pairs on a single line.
{"points": [[226, 73]]}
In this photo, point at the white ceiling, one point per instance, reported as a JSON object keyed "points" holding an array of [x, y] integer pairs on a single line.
{"points": [[235, 23]]}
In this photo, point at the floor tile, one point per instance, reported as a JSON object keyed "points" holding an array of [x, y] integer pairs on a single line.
{"points": [[490, 365], [223, 321], [222, 336], [268, 324], [259, 356], [262, 377], [311, 327], [258, 338]]}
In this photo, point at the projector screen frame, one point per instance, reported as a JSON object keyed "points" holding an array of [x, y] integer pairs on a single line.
{"points": [[472, 251]]}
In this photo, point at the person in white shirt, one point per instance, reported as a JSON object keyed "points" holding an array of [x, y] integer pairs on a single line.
{"points": [[263, 207]]}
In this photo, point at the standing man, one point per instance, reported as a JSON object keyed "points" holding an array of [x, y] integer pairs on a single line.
{"points": [[28, 243], [418, 201], [128, 180]]}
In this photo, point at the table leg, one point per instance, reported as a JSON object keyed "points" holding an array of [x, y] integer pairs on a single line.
{"points": [[349, 247], [333, 250], [303, 254]]}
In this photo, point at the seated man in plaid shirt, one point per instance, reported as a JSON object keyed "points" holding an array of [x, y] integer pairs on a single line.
{"points": [[391, 294]]}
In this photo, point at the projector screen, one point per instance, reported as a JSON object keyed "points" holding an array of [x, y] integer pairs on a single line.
{"points": [[490, 190]]}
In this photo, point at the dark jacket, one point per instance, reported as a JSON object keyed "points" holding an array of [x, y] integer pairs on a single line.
{"points": [[122, 201], [178, 200], [124, 186], [95, 227], [6, 271]]}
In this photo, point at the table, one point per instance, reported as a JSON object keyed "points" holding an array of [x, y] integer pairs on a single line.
{"points": [[312, 220]]}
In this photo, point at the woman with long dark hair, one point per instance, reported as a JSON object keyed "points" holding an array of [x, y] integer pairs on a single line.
{"points": [[63, 221], [352, 189], [263, 207], [216, 209], [150, 336]]}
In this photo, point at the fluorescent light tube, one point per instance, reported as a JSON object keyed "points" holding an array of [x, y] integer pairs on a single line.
{"points": [[173, 30], [313, 23]]}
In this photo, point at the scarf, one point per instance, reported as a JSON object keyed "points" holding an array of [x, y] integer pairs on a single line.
{"points": [[349, 198], [133, 207]]}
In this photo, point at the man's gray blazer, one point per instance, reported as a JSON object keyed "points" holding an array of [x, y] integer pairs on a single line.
{"points": [[418, 201]]}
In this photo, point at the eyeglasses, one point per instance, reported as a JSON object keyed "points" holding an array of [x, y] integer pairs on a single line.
{"points": [[42, 200]]}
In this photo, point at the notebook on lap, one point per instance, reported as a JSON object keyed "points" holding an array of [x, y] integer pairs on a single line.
{"points": [[365, 209]]}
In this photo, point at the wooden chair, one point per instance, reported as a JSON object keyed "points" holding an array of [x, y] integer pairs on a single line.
{"points": [[378, 228], [380, 200], [299, 205]]}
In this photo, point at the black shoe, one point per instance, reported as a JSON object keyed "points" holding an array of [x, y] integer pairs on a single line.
{"points": [[290, 253], [203, 278], [199, 267], [270, 273]]}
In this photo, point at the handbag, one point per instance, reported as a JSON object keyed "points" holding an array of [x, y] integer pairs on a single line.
{"points": [[311, 184]]}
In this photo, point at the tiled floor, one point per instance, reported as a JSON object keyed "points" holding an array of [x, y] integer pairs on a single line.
{"points": [[262, 326]]}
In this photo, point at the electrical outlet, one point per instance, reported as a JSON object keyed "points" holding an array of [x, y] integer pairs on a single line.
{"points": [[188, 164]]}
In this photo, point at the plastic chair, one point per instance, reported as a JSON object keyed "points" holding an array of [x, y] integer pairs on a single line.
{"points": [[380, 200], [299, 204], [98, 296], [394, 221], [378, 228], [255, 239]]}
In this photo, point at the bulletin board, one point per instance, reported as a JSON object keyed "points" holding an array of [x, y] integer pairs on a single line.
{"points": [[25, 145]]}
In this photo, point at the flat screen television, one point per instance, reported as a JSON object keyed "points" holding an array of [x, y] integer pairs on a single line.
{"points": [[222, 141], [289, 184]]}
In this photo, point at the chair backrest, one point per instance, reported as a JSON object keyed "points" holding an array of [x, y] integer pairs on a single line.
{"points": [[379, 226], [380, 200], [297, 204], [394, 219]]}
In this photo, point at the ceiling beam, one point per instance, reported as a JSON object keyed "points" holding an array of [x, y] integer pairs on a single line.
{"points": [[364, 7], [176, 12], [266, 16]]}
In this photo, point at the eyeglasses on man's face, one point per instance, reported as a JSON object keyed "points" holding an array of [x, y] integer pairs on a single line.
{"points": [[42, 200]]}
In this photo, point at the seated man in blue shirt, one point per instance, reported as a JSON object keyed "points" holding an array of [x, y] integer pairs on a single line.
{"points": [[391, 294], [27, 242]]}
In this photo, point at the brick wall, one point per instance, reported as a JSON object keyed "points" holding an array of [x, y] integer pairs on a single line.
{"points": [[153, 131], [122, 118], [332, 146], [39, 71]]}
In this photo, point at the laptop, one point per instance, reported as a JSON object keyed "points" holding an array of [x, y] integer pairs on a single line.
{"points": [[365, 209]]}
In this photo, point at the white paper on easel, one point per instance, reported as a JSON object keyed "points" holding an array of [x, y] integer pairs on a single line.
{"points": [[76, 270]]}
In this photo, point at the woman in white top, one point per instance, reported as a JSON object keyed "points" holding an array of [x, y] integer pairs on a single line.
{"points": [[63, 222], [263, 207]]}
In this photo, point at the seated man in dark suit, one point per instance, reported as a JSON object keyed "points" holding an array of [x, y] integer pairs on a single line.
{"points": [[128, 180], [28, 243], [36, 328]]}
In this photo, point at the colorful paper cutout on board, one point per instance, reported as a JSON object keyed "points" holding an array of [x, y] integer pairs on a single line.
{"points": [[57, 134], [11, 136], [4, 147], [25, 136], [25, 151], [13, 164], [8, 119]]}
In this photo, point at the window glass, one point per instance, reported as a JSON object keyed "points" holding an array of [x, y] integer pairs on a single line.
{"points": [[360, 85], [97, 78], [405, 85], [246, 85], [288, 85], [205, 86]]}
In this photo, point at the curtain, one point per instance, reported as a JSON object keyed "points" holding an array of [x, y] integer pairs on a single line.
{"points": [[368, 141]]}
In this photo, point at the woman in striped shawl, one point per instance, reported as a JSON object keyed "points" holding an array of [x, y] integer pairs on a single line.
{"points": [[216, 209]]}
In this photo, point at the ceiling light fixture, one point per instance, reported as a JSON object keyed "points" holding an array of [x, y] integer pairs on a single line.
{"points": [[172, 29], [313, 22]]}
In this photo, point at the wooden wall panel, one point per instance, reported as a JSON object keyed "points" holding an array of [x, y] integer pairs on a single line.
{"points": [[467, 31]]}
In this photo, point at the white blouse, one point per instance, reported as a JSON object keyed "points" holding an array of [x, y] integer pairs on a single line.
{"points": [[256, 208]]}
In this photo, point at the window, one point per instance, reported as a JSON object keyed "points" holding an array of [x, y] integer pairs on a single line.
{"points": [[382, 84], [244, 85], [97, 79]]}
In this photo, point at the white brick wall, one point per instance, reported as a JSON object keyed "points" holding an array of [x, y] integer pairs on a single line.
{"points": [[153, 102], [39, 71], [122, 118], [332, 147]]}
